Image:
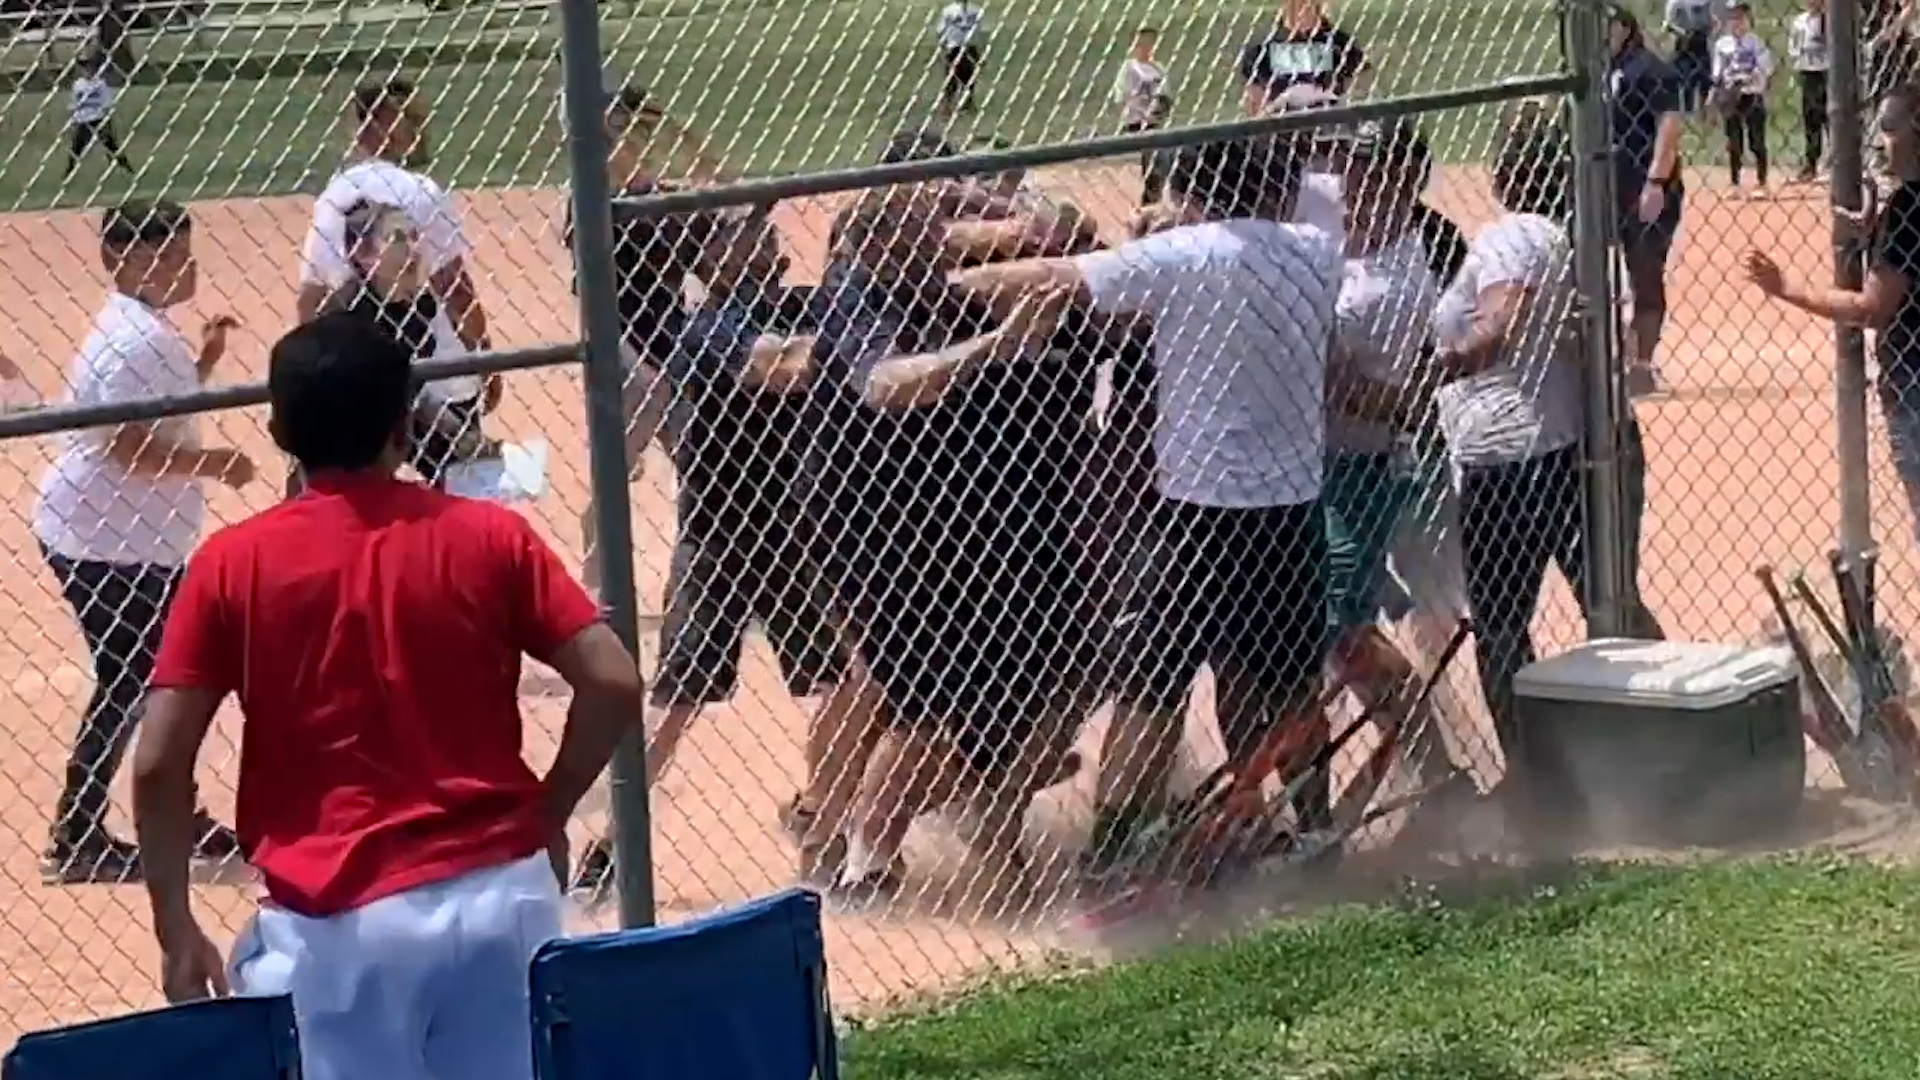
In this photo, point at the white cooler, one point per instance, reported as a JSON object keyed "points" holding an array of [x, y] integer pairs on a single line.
{"points": [[1662, 743]]}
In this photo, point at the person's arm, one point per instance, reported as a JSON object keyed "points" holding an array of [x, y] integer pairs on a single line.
{"points": [[779, 363], [1872, 306], [556, 623], [1496, 311], [198, 665], [1001, 285], [146, 449], [1355, 73], [913, 382], [322, 265], [1667, 130], [444, 249], [1717, 62]]}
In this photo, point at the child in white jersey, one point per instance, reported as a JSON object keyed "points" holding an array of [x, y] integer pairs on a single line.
{"points": [[1742, 65], [92, 97]]}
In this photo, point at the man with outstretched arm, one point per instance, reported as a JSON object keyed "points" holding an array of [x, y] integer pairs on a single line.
{"points": [[373, 631]]}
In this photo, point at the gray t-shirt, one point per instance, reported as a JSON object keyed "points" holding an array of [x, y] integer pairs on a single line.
{"points": [[1529, 402], [1386, 302], [1242, 313]]}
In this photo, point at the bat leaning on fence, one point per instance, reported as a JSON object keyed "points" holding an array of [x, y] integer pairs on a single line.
{"points": [[1883, 708], [1864, 764]]}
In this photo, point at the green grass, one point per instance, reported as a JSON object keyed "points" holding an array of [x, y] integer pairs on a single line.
{"points": [[1796, 971], [785, 85]]}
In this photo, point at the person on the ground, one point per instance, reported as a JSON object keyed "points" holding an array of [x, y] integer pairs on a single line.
{"points": [[1304, 48], [91, 106], [959, 33], [1889, 299], [1237, 577], [1810, 51], [1644, 101], [1742, 68], [1144, 96], [372, 631], [389, 147], [119, 511]]}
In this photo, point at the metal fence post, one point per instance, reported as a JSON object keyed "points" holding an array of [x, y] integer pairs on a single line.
{"points": [[1607, 556], [1850, 343], [594, 276]]}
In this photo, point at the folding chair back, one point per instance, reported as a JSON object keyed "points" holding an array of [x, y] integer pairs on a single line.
{"points": [[241, 1038], [738, 995]]}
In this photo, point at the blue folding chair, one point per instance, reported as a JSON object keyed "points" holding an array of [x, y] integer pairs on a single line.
{"points": [[240, 1038], [738, 995]]}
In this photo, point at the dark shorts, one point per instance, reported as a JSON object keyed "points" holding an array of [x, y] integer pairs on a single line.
{"points": [[1646, 247], [963, 67], [1243, 591], [445, 433], [716, 589]]}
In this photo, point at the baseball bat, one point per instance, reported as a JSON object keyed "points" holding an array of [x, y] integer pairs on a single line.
{"points": [[1828, 724], [1879, 695]]}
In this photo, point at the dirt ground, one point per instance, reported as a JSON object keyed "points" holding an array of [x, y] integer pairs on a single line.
{"points": [[1742, 471]]}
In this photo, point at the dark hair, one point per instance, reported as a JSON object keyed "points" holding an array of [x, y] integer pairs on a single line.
{"points": [[634, 100], [1624, 16], [1390, 143], [339, 389], [1237, 178], [1532, 164], [142, 223], [917, 145], [370, 98]]}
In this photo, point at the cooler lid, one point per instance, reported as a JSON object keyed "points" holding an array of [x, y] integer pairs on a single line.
{"points": [[1656, 674]]}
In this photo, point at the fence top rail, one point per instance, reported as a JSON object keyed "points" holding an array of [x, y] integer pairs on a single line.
{"points": [[765, 191], [58, 418]]}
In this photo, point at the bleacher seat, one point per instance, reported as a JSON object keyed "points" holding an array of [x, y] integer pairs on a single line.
{"points": [[738, 995], [240, 1038]]}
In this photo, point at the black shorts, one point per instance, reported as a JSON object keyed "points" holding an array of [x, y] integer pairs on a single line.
{"points": [[444, 433], [716, 589], [963, 67], [1243, 591]]}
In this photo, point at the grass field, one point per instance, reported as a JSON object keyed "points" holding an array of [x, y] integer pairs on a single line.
{"points": [[1795, 971]]}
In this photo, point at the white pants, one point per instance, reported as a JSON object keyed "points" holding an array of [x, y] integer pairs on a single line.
{"points": [[428, 984]]}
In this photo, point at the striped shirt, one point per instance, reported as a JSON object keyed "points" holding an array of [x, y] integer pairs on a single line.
{"points": [[92, 99], [959, 24]]}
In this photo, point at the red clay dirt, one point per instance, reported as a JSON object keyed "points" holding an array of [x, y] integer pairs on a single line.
{"points": [[1742, 470]]}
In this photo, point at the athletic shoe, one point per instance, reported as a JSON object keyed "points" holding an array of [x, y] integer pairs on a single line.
{"points": [[102, 859]]}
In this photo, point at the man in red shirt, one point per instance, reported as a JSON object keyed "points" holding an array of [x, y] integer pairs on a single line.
{"points": [[373, 632]]}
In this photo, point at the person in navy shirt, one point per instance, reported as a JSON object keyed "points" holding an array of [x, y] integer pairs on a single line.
{"points": [[1644, 99], [1303, 48]]}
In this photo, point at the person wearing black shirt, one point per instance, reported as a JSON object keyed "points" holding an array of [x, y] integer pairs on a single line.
{"points": [[1304, 47], [1889, 300], [1644, 101], [950, 475]]}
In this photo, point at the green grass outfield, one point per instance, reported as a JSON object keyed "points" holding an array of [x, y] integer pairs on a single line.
{"points": [[1786, 971], [783, 85]]}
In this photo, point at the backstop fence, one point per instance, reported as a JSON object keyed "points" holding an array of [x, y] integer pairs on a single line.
{"points": [[962, 525]]}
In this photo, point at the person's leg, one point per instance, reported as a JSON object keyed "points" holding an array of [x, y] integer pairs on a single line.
{"points": [[1507, 539], [1644, 249], [113, 615], [80, 137], [914, 768], [1813, 121], [1735, 127], [1641, 621], [1755, 118], [111, 140], [949, 80], [700, 640], [1899, 393], [969, 77], [478, 1015]]}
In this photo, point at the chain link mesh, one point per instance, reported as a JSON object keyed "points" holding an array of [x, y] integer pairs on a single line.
{"points": [[1016, 531]]}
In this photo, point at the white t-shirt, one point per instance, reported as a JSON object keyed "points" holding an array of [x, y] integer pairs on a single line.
{"points": [[1137, 89], [1242, 313], [92, 99], [1742, 63], [90, 507], [1529, 403], [435, 220], [959, 24], [1386, 303], [1807, 42]]}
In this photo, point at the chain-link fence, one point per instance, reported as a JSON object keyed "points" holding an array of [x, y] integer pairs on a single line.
{"points": [[962, 525]]}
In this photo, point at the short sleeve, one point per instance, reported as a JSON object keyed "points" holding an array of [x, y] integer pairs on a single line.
{"points": [[1899, 249], [443, 240], [200, 648], [1511, 255], [1139, 275], [1250, 61], [1348, 58], [550, 607], [324, 259]]}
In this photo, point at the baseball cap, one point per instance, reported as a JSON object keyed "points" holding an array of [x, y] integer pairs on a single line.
{"points": [[143, 222], [1234, 178], [916, 145]]}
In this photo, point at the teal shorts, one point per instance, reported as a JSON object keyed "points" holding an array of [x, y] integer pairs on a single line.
{"points": [[1362, 496]]}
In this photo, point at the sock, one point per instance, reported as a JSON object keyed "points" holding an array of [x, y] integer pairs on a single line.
{"points": [[860, 861]]}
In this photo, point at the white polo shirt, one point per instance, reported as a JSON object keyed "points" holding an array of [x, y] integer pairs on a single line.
{"points": [[90, 507], [1242, 312], [435, 220], [959, 24]]}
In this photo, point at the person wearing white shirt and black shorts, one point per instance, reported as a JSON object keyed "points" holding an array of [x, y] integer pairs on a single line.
{"points": [[958, 32], [1146, 104], [1742, 66], [118, 513], [1235, 576], [389, 138], [1809, 49], [92, 107]]}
